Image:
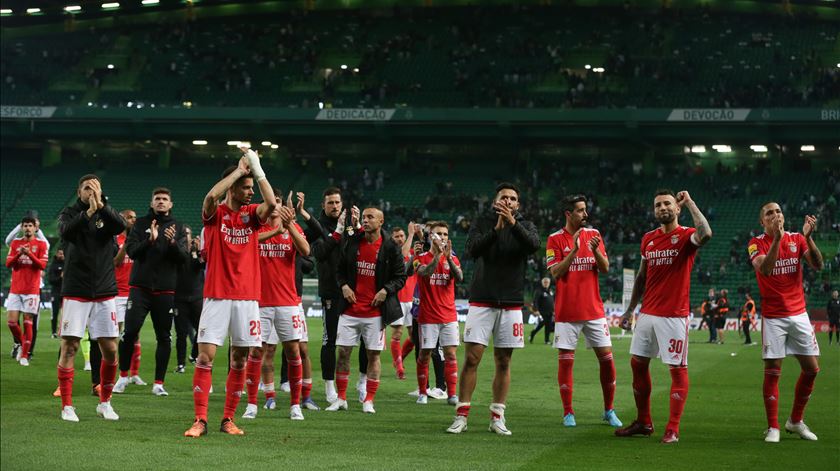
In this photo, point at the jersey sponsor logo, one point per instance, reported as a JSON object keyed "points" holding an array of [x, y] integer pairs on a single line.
{"points": [[364, 268], [661, 257], [785, 266], [236, 236], [274, 250], [582, 264]]}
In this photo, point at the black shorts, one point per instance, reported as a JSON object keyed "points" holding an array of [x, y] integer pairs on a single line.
{"points": [[720, 322], [834, 323]]}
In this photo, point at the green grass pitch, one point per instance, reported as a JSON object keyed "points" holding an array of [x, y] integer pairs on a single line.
{"points": [[722, 427]]}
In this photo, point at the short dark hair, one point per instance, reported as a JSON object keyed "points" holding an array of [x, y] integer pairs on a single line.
{"points": [[332, 190], [665, 191], [161, 190], [28, 219], [570, 201], [433, 224], [278, 193], [87, 177], [507, 186], [761, 209], [396, 229]]}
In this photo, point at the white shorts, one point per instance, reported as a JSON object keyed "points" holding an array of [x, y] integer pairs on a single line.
{"points": [[99, 317], [666, 337], [235, 317], [304, 338], [27, 303], [504, 326], [784, 336], [280, 324], [350, 329], [122, 303], [406, 313], [448, 335], [596, 333]]}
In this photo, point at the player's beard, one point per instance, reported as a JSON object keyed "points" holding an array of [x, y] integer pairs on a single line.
{"points": [[666, 218]]}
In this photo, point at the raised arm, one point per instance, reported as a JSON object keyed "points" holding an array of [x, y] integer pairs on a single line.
{"points": [[704, 231], [813, 256], [211, 199]]}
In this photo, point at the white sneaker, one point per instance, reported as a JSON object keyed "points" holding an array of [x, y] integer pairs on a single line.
{"points": [[285, 387], [498, 426], [437, 393], [422, 399], [800, 428], [105, 411], [69, 414], [367, 407], [136, 379], [415, 393], [771, 435], [24, 362], [158, 390], [329, 390], [361, 386], [339, 404], [211, 389], [452, 400], [119, 386], [250, 411], [295, 413], [458, 425], [87, 366]]}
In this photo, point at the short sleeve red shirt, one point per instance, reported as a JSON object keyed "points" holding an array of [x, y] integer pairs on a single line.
{"points": [[782, 294], [437, 292], [578, 296], [669, 259], [406, 294], [26, 274], [233, 268], [365, 280], [123, 272], [277, 269]]}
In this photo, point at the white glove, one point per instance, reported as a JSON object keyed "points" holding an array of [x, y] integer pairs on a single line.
{"points": [[254, 162]]}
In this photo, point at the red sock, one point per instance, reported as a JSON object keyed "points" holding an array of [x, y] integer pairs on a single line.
{"points": [[135, 360], [269, 391], [396, 352], [295, 377], [202, 382], [566, 362], [422, 376], [16, 333], [407, 347], [679, 394], [372, 386], [252, 378], [233, 391], [607, 379], [463, 410], [341, 380], [27, 338], [65, 384], [771, 396], [450, 370], [306, 389], [123, 374], [107, 373], [804, 387], [641, 390]]}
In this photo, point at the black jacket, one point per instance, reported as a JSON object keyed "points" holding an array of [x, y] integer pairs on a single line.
{"points": [[303, 266], [327, 252], [544, 301], [190, 285], [89, 250], [500, 259], [156, 264], [54, 275], [390, 273]]}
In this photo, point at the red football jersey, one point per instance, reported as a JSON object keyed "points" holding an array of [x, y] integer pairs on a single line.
{"points": [[578, 296], [406, 294], [233, 267], [277, 269], [670, 258], [781, 292], [437, 292], [123, 272], [365, 280], [26, 269]]}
